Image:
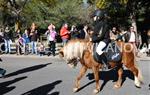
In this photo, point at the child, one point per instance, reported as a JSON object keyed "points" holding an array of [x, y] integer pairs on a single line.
{"points": [[20, 45], [41, 49]]}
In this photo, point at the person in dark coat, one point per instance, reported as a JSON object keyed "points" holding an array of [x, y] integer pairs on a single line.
{"points": [[100, 34], [8, 41], [33, 38]]}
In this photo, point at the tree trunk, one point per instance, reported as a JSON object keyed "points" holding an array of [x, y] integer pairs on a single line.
{"points": [[133, 22], [17, 25]]}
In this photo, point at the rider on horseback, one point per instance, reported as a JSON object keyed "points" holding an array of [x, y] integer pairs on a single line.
{"points": [[101, 34]]}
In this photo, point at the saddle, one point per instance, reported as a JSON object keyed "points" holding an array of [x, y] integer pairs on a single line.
{"points": [[111, 52]]}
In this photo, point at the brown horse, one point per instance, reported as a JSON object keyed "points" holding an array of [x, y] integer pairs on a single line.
{"points": [[82, 50]]}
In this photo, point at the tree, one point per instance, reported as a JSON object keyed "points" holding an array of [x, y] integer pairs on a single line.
{"points": [[137, 8], [39, 11], [120, 11], [4, 12], [44, 13], [12, 8]]}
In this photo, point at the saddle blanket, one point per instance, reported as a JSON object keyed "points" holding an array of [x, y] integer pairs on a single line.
{"points": [[112, 52]]}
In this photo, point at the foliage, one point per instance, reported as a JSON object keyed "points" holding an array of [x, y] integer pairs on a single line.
{"points": [[44, 12], [123, 12]]}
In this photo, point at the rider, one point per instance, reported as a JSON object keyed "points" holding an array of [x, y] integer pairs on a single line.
{"points": [[101, 34]]}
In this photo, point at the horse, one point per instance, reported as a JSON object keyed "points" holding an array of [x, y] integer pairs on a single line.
{"points": [[80, 51]]}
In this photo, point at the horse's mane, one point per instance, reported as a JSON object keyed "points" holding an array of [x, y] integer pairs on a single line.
{"points": [[74, 49]]}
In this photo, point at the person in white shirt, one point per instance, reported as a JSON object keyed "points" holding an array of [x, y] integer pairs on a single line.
{"points": [[132, 36]]}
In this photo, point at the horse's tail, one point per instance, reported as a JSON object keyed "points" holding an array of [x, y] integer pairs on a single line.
{"points": [[128, 47]]}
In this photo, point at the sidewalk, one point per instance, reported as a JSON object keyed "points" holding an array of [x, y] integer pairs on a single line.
{"points": [[143, 57], [58, 46], [28, 56]]}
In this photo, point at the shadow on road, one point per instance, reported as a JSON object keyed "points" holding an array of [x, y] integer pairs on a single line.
{"points": [[44, 90], [109, 75], [25, 70], [85, 85], [4, 85]]}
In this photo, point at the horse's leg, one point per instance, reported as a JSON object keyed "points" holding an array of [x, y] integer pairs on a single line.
{"points": [[119, 81], [135, 71], [81, 74], [96, 76], [131, 66], [129, 61]]}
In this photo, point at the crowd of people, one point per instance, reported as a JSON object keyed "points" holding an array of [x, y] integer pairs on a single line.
{"points": [[28, 42], [139, 40]]}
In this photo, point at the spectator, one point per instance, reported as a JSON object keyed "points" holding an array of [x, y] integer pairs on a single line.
{"points": [[2, 45], [131, 37], [51, 38], [1, 33], [74, 32], [148, 34], [84, 33], [41, 49], [144, 37], [20, 45], [8, 41], [17, 33], [115, 34], [64, 33], [33, 36], [27, 41]]}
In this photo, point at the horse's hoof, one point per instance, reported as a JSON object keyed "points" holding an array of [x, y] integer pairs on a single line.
{"points": [[95, 91], [117, 86], [75, 90], [138, 84]]}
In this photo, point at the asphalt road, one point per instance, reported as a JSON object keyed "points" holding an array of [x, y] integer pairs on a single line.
{"points": [[51, 76]]}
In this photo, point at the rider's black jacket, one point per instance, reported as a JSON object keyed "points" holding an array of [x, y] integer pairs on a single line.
{"points": [[101, 31]]}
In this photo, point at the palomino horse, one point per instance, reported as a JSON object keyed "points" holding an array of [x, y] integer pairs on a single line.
{"points": [[81, 50]]}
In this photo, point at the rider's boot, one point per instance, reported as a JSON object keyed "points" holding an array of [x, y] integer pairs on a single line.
{"points": [[104, 60]]}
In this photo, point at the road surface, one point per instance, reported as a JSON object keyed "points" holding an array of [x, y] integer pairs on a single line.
{"points": [[51, 76]]}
